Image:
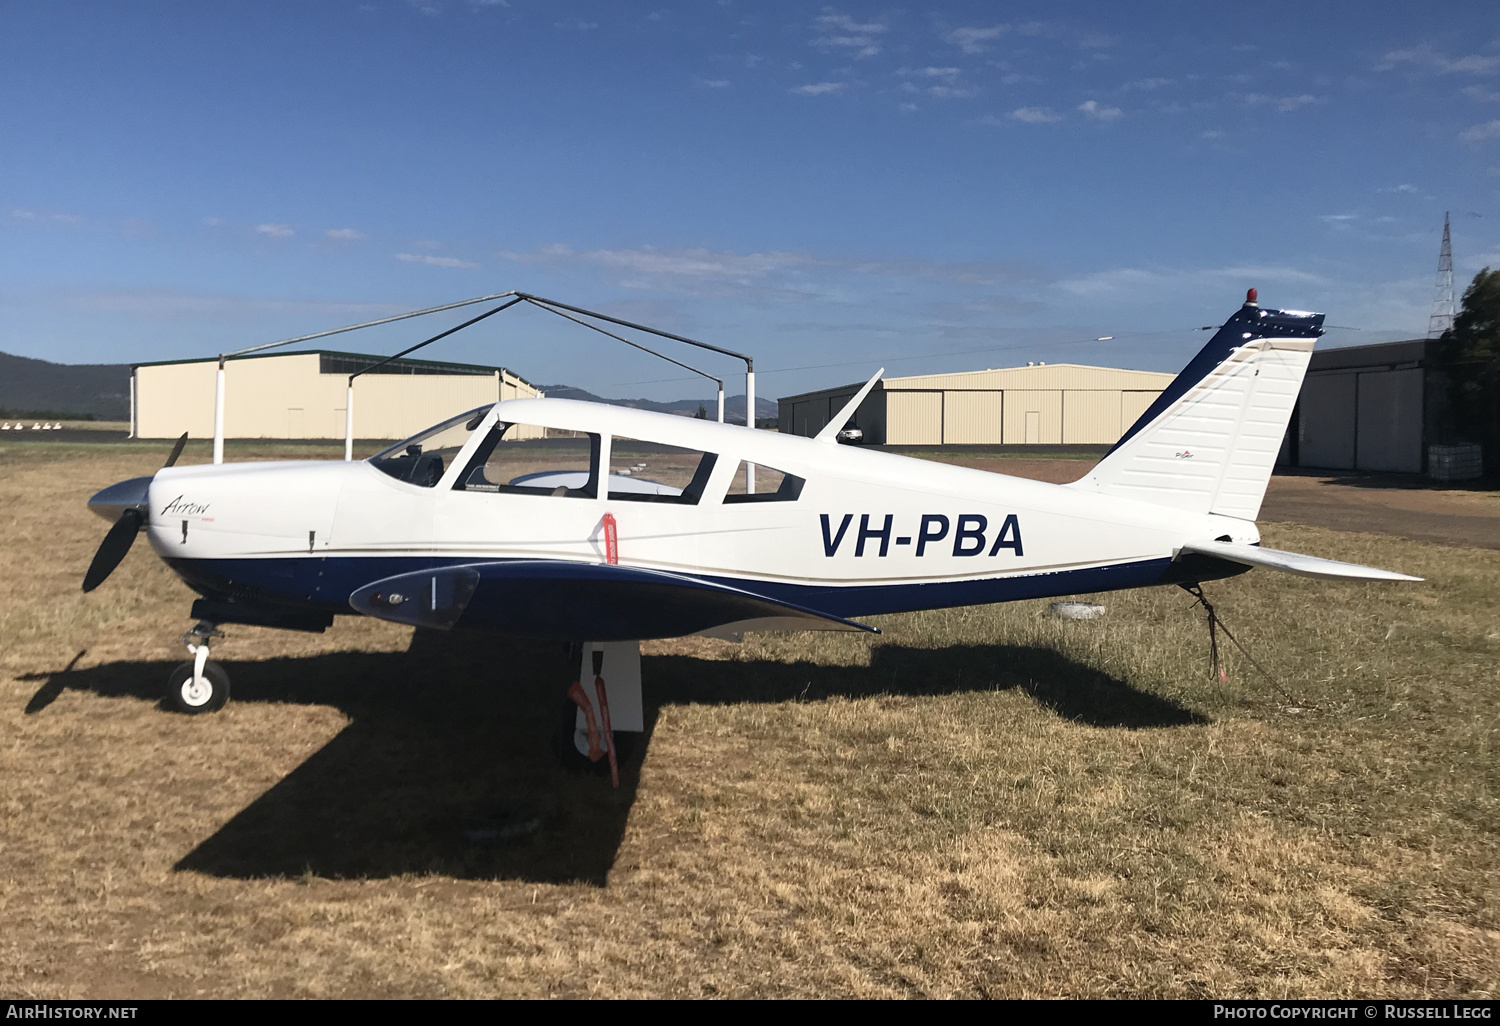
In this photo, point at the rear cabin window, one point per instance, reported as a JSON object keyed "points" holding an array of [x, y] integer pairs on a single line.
{"points": [[520, 459], [770, 485], [655, 472]]}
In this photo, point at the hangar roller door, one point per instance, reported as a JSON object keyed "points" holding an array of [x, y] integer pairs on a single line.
{"points": [[972, 418], [914, 418], [1327, 421], [1090, 417], [1389, 433]]}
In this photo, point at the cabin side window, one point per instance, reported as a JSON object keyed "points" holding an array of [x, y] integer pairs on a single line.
{"points": [[771, 485], [655, 472], [523, 459]]}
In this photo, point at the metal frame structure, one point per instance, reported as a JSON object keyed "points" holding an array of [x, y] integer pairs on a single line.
{"points": [[550, 305]]}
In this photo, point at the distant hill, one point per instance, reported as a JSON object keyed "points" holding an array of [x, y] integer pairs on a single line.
{"points": [[63, 389], [734, 405]]}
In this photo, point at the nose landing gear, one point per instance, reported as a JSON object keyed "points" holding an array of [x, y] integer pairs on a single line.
{"points": [[199, 685]]}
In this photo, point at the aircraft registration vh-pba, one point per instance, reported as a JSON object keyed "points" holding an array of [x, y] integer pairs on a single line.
{"points": [[638, 525]]}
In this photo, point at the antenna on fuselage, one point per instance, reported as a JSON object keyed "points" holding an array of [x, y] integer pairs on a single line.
{"points": [[830, 432]]}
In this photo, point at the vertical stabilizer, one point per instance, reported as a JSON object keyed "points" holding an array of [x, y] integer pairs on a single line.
{"points": [[1209, 442]]}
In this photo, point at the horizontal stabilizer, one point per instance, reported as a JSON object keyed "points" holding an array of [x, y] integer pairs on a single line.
{"points": [[1294, 562], [562, 599]]}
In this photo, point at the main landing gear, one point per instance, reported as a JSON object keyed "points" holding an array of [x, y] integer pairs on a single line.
{"points": [[602, 723], [199, 685]]}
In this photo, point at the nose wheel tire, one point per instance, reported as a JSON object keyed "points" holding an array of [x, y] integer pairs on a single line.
{"points": [[205, 694]]}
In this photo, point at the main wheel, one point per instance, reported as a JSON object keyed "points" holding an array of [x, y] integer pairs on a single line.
{"points": [[204, 696], [571, 746]]}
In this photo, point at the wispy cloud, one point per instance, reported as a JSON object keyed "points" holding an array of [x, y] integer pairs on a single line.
{"points": [[1428, 58], [276, 231], [1097, 41], [1488, 130], [974, 39], [943, 83], [753, 268], [1146, 85], [1284, 104], [1035, 115], [1092, 109], [1481, 94], [1147, 282], [171, 303], [819, 88], [1339, 222], [714, 83], [576, 25], [436, 261], [693, 263], [840, 32], [944, 74], [987, 273], [55, 217], [344, 234]]}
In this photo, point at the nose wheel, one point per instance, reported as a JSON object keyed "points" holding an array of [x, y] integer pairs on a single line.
{"points": [[198, 685]]}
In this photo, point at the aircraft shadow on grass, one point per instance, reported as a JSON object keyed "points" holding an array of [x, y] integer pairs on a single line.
{"points": [[448, 764]]}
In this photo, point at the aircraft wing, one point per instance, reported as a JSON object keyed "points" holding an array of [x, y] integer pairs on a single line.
{"points": [[578, 601], [1293, 562]]}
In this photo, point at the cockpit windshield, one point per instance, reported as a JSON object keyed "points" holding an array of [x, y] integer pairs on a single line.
{"points": [[421, 459]]}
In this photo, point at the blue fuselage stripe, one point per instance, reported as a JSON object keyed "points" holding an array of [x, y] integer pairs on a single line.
{"points": [[325, 583]]}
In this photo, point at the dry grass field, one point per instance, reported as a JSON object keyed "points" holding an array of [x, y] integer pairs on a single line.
{"points": [[980, 802]]}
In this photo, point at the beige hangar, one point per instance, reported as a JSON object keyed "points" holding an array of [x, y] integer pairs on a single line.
{"points": [[1042, 404], [301, 395]]}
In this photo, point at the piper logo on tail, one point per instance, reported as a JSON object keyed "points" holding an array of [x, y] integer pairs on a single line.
{"points": [[968, 532]]}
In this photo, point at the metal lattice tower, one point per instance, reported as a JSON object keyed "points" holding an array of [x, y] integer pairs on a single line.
{"points": [[1442, 305]]}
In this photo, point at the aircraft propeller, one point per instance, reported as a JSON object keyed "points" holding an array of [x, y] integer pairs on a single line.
{"points": [[133, 495]]}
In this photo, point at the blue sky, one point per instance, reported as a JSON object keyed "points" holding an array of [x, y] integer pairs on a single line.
{"points": [[828, 188]]}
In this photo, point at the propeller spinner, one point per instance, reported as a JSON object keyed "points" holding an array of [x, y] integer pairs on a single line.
{"points": [[128, 503]]}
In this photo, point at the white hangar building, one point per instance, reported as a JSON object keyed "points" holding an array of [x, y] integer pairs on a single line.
{"points": [[1040, 404], [302, 395]]}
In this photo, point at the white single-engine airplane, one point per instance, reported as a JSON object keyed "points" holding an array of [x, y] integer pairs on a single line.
{"points": [[440, 531]]}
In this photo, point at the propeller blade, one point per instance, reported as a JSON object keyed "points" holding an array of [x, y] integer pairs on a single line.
{"points": [[176, 452], [116, 543]]}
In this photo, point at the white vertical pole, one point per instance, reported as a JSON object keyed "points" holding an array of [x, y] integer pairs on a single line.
{"points": [[349, 421], [219, 414], [133, 428], [750, 420], [721, 402]]}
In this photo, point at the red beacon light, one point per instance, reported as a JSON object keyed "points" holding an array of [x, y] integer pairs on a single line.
{"points": [[1251, 297]]}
